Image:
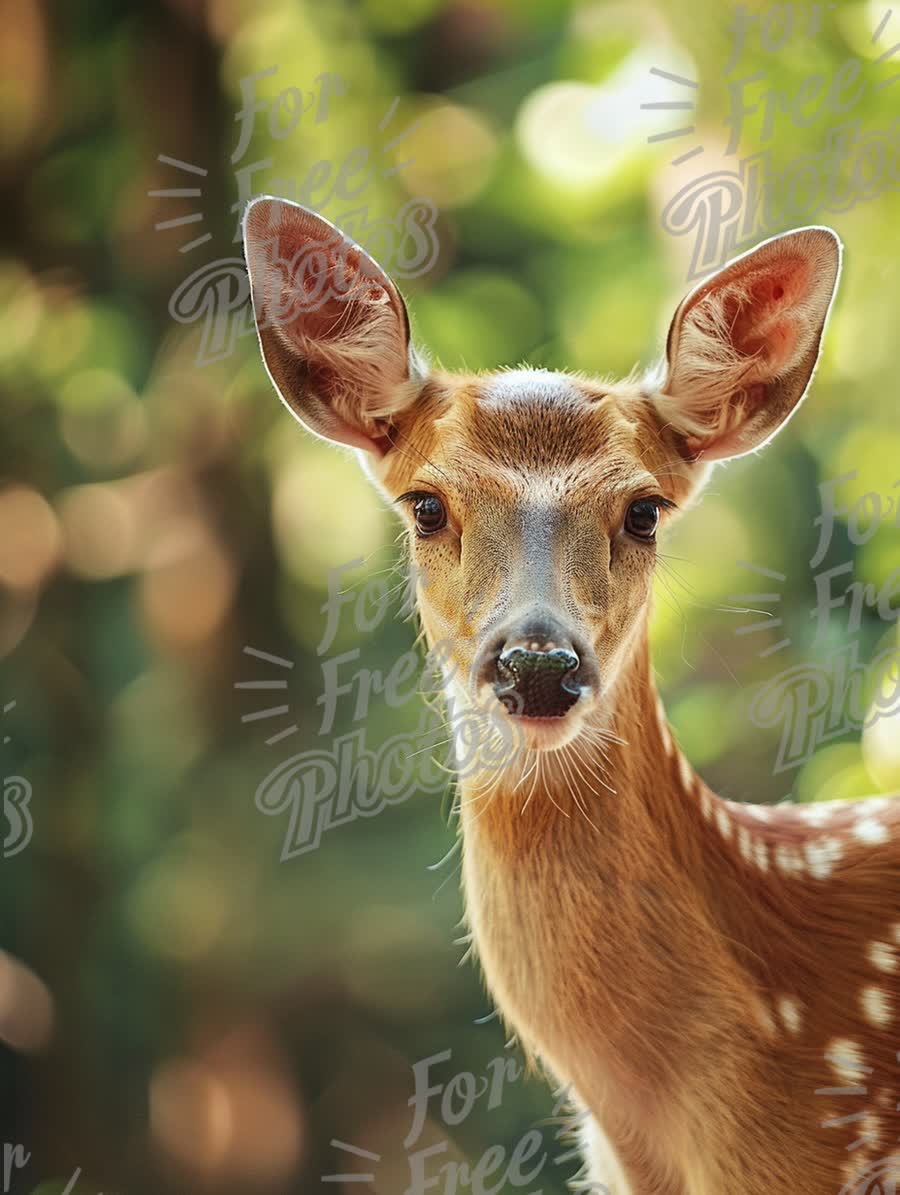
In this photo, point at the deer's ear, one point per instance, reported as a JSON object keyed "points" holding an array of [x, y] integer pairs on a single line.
{"points": [[332, 326], [743, 345]]}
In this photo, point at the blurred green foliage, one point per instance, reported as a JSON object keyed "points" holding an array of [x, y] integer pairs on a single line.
{"points": [[187, 1013]]}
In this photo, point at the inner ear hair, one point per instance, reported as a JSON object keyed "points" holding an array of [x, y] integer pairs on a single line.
{"points": [[709, 364], [743, 345], [333, 327]]}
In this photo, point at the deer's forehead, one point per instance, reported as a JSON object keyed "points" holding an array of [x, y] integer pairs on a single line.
{"points": [[538, 421], [530, 434]]}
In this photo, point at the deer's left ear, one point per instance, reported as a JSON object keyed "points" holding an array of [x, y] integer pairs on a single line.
{"points": [[743, 345]]}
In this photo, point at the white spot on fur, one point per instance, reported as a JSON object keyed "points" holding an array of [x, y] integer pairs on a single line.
{"points": [[882, 956], [876, 1005], [816, 815], [846, 1058], [761, 852], [823, 855], [790, 1012], [685, 773], [723, 821], [762, 813], [871, 831], [668, 744], [745, 842], [874, 805], [788, 860]]}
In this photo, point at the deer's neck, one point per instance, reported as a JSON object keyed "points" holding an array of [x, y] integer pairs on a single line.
{"points": [[592, 893]]}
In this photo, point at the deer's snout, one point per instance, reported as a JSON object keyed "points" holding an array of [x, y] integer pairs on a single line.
{"points": [[537, 684], [536, 672]]}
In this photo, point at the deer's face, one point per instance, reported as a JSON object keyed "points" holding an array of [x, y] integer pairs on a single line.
{"points": [[533, 499], [533, 502]]}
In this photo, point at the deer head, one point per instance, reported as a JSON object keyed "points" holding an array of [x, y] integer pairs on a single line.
{"points": [[533, 499]]}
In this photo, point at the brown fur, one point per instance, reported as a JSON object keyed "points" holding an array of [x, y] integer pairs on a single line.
{"points": [[635, 951], [685, 964]]}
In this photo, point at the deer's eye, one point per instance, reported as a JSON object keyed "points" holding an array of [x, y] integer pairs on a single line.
{"points": [[430, 514], [642, 518]]}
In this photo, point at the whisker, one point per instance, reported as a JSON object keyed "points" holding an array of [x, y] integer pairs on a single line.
{"points": [[525, 775], [573, 788], [429, 463], [537, 776]]}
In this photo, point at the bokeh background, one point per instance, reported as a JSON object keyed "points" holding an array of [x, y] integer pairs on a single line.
{"points": [[179, 1009]]}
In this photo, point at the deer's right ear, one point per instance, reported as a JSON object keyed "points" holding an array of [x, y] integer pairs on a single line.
{"points": [[332, 326]]}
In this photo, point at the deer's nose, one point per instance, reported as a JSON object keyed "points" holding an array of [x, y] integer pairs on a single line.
{"points": [[537, 680]]}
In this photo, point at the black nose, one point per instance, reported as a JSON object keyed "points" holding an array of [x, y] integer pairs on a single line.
{"points": [[537, 683]]}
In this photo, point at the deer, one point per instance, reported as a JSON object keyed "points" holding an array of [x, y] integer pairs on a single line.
{"points": [[716, 983]]}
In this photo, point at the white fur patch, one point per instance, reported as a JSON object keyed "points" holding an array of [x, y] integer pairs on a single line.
{"points": [[882, 956], [846, 1058], [788, 860], [603, 1165], [823, 855], [685, 773], [745, 843], [816, 815], [876, 1005], [762, 813], [790, 1012], [529, 383], [723, 821], [668, 744], [871, 831], [874, 805]]}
